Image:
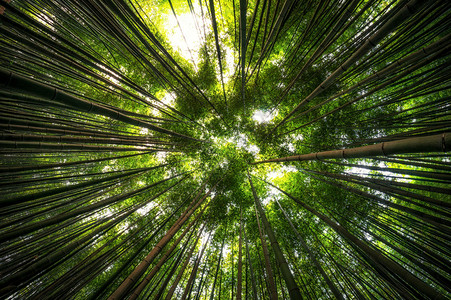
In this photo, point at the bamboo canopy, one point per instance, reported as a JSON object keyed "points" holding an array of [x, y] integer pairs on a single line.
{"points": [[257, 149]]}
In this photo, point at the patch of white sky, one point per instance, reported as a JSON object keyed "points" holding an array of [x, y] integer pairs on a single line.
{"points": [[239, 140], [204, 238], [109, 77], [230, 63], [107, 212], [223, 163], [263, 116], [280, 170], [125, 227], [297, 137], [165, 97], [289, 142], [169, 99], [143, 131], [289, 146], [45, 20], [226, 251], [364, 172], [140, 183], [272, 194], [186, 38], [145, 209], [152, 110], [161, 156], [110, 167]]}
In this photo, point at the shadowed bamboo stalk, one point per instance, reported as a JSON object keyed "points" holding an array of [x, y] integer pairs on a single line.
{"points": [[163, 259], [269, 273], [26, 229], [142, 267], [12, 169], [251, 268], [45, 263], [434, 143], [243, 46], [293, 289], [312, 257], [83, 140], [52, 192], [15, 81], [62, 147], [173, 269], [182, 269], [240, 262], [377, 257], [218, 265], [218, 48], [191, 281], [404, 13]]}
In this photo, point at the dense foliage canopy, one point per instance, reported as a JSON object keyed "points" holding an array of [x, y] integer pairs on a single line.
{"points": [[256, 149]]}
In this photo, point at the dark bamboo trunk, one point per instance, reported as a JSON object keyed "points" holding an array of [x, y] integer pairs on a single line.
{"points": [[377, 258], [293, 289], [422, 144]]}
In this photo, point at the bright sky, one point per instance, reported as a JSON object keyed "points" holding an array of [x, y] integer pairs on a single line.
{"points": [[189, 46], [188, 26], [169, 99], [261, 116], [280, 170]]}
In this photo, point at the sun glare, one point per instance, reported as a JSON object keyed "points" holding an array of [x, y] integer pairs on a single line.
{"points": [[186, 39], [261, 116]]}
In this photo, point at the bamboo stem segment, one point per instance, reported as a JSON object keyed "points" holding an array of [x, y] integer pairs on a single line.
{"points": [[433, 143]]}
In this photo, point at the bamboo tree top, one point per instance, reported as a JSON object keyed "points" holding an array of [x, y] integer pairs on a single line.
{"points": [[136, 141]]}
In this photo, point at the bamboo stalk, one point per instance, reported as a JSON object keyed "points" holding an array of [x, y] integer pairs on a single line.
{"points": [[434, 143], [15, 81], [375, 255]]}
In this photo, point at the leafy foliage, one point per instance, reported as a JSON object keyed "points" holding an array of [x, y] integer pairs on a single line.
{"points": [[134, 136]]}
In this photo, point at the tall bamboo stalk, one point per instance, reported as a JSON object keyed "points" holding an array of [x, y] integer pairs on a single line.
{"points": [[421, 144]]}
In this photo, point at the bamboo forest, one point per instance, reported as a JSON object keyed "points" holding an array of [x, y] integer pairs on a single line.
{"points": [[225, 149]]}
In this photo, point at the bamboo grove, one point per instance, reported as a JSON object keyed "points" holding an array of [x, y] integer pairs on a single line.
{"points": [[260, 149]]}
